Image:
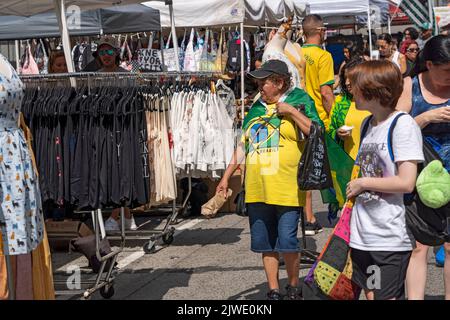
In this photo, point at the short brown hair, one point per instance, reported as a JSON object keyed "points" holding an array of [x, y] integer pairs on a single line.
{"points": [[311, 25], [377, 80]]}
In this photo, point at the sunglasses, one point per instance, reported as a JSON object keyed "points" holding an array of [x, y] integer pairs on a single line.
{"points": [[109, 52], [413, 50]]}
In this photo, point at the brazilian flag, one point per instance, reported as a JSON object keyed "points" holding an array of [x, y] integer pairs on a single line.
{"points": [[341, 165]]}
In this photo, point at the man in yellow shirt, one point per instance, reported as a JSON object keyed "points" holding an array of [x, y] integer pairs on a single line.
{"points": [[319, 85]]}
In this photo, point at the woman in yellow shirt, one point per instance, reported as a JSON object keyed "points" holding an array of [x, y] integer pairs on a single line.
{"points": [[345, 119], [272, 146]]}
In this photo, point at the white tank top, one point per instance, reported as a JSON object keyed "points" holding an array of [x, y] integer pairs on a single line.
{"points": [[396, 60]]}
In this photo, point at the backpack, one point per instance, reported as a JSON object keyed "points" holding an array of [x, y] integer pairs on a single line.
{"points": [[429, 226], [234, 56]]}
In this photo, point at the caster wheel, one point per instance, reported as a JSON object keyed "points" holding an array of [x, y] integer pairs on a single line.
{"points": [[168, 238], [107, 292], [86, 296], [150, 247]]}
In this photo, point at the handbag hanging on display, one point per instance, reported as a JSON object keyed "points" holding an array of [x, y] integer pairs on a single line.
{"points": [[190, 63], [170, 58]]}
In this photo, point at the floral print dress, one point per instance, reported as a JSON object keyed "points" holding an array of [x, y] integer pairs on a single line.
{"points": [[21, 219]]}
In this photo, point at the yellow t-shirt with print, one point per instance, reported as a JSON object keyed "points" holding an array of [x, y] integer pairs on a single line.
{"points": [[319, 72], [273, 153]]}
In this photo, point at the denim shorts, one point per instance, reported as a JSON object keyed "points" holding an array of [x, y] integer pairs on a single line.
{"points": [[273, 228]]}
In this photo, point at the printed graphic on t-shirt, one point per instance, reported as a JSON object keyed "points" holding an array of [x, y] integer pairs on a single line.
{"points": [[371, 166], [264, 135]]}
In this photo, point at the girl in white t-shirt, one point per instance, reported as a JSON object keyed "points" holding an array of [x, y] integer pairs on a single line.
{"points": [[381, 244]]}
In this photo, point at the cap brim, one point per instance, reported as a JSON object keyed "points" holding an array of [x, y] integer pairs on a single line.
{"points": [[260, 74], [107, 43]]}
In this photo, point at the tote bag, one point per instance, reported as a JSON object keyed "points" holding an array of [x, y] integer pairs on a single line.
{"points": [[221, 56], [30, 66], [333, 270], [207, 59], [150, 59], [170, 58], [191, 57]]}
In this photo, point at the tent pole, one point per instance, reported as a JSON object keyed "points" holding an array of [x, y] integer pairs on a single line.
{"points": [[430, 12], [17, 48], [389, 25], [369, 25], [242, 72], [61, 15], [174, 33]]}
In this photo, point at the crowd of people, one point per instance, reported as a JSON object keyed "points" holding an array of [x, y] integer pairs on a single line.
{"points": [[408, 88], [410, 76]]}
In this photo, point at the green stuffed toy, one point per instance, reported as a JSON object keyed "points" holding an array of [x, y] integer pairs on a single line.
{"points": [[433, 185]]}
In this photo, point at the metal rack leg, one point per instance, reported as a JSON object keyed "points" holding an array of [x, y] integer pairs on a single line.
{"points": [[105, 286], [307, 257], [11, 282]]}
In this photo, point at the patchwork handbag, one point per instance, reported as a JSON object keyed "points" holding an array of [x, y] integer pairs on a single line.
{"points": [[333, 270]]}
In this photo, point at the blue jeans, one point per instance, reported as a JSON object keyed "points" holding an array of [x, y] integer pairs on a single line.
{"points": [[273, 228]]}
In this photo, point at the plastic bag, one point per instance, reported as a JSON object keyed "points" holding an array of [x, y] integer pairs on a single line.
{"points": [[314, 169], [213, 206]]}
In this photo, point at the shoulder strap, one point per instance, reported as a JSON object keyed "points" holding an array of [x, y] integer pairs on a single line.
{"points": [[365, 127], [391, 130]]}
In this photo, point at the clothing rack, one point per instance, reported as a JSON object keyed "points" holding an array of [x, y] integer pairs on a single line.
{"points": [[168, 74], [105, 283]]}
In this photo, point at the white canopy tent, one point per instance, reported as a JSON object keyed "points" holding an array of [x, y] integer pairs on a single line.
{"points": [[203, 13], [327, 8], [61, 7], [199, 13]]}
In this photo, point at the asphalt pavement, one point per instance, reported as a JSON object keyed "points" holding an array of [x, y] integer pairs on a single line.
{"points": [[208, 259]]}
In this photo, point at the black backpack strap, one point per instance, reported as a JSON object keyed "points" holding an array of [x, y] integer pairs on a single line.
{"points": [[390, 133], [365, 127]]}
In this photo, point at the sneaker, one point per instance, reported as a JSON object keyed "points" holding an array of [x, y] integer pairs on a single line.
{"points": [[274, 295], [293, 293], [130, 224], [440, 257], [111, 225], [311, 229]]}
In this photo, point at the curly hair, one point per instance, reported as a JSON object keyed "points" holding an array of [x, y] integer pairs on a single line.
{"points": [[285, 78]]}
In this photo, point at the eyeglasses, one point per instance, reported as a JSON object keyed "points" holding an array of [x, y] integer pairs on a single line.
{"points": [[413, 50], [109, 52]]}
